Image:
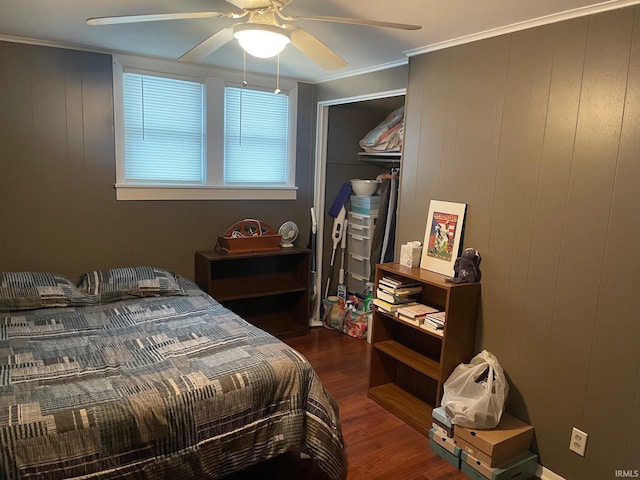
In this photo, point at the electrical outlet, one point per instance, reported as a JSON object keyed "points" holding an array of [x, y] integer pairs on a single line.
{"points": [[578, 441]]}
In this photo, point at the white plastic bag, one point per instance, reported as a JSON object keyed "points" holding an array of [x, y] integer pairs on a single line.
{"points": [[474, 393]]}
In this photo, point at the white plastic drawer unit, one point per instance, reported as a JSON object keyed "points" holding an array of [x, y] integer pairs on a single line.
{"points": [[361, 230], [359, 266], [356, 284], [359, 246], [359, 219]]}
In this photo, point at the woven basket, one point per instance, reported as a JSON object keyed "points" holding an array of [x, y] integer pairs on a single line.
{"points": [[248, 236]]}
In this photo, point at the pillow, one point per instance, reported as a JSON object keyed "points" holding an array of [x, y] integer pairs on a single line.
{"points": [[120, 283], [28, 290]]}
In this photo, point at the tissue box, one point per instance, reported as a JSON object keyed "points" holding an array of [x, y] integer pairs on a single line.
{"points": [[410, 255], [442, 421]]}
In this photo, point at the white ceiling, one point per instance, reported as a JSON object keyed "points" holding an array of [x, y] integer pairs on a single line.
{"points": [[365, 48]]}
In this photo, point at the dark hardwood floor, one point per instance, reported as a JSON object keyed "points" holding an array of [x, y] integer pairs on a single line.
{"points": [[379, 446]]}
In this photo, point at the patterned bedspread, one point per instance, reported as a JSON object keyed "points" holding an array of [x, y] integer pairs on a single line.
{"points": [[154, 388]]}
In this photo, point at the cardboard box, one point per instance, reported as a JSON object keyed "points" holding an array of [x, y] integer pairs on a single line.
{"points": [[454, 458], [441, 439], [522, 468], [498, 446]]}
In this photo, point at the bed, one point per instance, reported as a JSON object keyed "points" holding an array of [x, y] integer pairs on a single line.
{"points": [[137, 373]]}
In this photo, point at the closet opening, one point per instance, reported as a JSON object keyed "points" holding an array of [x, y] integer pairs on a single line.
{"points": [[339, 157]]}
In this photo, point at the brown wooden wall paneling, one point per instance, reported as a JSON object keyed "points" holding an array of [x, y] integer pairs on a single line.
{"points": [[615, 354], [560, 185], [584, 235], [423, 145], [57, 176], [532, 368], [17, 142], [479, 97], [479, 118], [521, 141], [414, 103]]}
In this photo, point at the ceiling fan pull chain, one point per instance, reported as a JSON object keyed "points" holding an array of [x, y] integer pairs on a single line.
{"points": [[277, 90], [244, 85], [142, 94], [244, 68]]}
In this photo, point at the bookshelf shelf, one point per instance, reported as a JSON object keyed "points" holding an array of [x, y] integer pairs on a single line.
{"points": [[409, 364], [404, 405]]}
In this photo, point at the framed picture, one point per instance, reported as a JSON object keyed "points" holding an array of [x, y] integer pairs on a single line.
{"points": [[443, 236]]}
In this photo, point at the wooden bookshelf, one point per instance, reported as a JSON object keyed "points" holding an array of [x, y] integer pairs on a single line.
{"points": [[409, 364]]}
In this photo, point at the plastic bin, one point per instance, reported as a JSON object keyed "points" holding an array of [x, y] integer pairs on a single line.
{"points": [[365, 205], [359, 266], [365, 202], [359, 245], [357, 284], [361, 230], [362, 220]]}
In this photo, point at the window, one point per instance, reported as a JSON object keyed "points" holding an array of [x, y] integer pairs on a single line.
{"points": [[184, 134], [163, 129], [255, 136]]}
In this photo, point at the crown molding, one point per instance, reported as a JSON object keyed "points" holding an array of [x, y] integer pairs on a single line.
{"points": [[515, 27]]}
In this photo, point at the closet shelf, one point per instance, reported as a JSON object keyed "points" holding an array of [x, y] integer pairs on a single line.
{"points": [[378, 157]]}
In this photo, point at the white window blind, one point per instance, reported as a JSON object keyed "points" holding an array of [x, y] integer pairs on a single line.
{"points": [[163, 129], [255, 137]]}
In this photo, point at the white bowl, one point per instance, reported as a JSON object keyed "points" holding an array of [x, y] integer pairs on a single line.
{"points": [[364, 188]]}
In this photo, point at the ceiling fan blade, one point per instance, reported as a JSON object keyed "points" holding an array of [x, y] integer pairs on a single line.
{"points": [[158, 17], [208, 46], [316, 50], [356, 21]]}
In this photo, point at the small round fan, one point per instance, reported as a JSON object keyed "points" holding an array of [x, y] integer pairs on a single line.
{"points": [[289, 232]]}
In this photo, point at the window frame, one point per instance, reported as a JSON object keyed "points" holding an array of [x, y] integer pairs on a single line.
{"points": [[214, 84]]}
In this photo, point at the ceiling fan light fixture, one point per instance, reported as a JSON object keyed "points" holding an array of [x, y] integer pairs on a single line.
{"points": [[262, 41]]}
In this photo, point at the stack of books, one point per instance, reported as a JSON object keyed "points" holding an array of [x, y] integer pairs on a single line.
{"points": [[434, 321], [388, 307], [393, 293], [398, 290], [415, 314]]}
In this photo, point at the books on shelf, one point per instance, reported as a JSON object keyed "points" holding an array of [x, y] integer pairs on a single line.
{"points": [[395, 297], [436, 320], [400, 290], [418, 310], [415, 314], [438, 317], [393, 284], [413, 321], [387, 307], [428, 327]]}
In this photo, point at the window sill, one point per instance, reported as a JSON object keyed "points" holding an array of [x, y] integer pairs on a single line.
{"points": [[147, 192]]}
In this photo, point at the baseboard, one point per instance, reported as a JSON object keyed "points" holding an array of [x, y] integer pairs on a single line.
{"points": [[545, 474]]}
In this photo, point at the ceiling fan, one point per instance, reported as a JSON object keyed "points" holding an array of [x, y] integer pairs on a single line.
{"points": [[264, 34]]}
